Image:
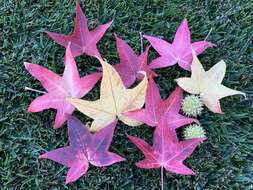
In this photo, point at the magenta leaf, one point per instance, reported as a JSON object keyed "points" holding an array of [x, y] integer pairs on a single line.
{"points": [[166, 151], [84, 148], [155, 108], [59, 88], [82, 40], [180, 51], [130, 64]]}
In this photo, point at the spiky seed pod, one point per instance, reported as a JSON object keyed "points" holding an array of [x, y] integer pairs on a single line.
{"points": [[192, 105], [194, 131]]}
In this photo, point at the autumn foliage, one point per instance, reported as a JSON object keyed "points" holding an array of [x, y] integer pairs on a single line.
{"points": [[134, 106]]}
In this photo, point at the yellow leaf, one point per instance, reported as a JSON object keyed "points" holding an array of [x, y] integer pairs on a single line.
{"points": [[207, 84], [114, 100]]}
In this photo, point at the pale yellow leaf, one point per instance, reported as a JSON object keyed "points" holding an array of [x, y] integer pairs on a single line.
{"points": [[114, 100], [207, 84]]}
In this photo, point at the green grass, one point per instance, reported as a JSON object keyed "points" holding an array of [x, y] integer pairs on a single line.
{"points": [[225, 161]]}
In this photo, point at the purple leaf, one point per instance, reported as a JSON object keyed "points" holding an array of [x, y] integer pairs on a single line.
{"points": [[84, 148], [131, 64]]}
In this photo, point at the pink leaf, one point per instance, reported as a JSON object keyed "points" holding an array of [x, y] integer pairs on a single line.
{"points": [[166, 151], [155, 108], [59, 88], [130, 64], [82, 40], [180, 51], [84, 148]]}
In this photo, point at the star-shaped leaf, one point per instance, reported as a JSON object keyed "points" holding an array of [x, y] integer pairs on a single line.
{"points": [[114, 100], [207, 84], [82, 40], [84, 148], [180, 51], [130, 63], [166, 151], [58, 88], [155, 108]]}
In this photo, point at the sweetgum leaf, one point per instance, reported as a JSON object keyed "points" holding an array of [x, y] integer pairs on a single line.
{"points": [[180, 51], [82, 40], [59, 88], [84, 148]]}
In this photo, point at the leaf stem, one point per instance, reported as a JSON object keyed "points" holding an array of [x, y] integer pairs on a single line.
{"points": [[208, 34], [34, 90], [162, 178], [141, 38]]}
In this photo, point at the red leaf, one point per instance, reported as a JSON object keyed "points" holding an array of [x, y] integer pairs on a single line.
{"points": [[82, 40], [180, 51], [59, 88], [84, 148], [166, 151], [155, 108], [130, 64]]}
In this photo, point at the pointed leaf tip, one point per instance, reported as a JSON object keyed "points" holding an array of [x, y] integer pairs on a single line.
{"points": [[49, 33], [26, 64], [67, 181], [110, 22], [212, 45], [129, 136], [145, 36], [30, 109], [56, 125], [184, 23], [42, 156], [78, 4]]}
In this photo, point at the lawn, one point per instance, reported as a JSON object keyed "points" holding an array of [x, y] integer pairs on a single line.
{"points": [[225, 161]]}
